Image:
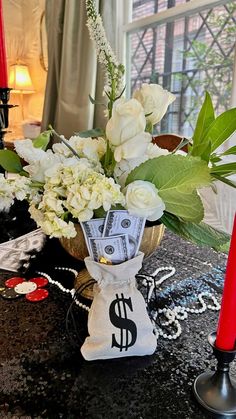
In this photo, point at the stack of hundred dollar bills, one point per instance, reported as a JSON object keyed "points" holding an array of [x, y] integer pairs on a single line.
{"points": [[115, 238]]}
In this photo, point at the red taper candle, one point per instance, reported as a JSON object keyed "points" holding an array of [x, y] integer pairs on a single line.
{"points": [[3, 60], [226, 331]]}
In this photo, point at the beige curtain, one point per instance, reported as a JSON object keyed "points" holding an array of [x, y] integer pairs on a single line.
{"points": [[72, 72]]}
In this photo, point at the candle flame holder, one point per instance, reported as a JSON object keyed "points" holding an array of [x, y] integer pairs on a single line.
{"points": [[4, 111], [216, 391]]}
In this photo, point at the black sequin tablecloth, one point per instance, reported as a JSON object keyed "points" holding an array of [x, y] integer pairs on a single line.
{"points": [[42, 375]]}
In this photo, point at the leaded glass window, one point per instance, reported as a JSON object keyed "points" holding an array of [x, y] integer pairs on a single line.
{"points": [[187, 56]]}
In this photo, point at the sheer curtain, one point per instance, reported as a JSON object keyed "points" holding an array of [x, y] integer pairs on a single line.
{"points": [[73, 72]]}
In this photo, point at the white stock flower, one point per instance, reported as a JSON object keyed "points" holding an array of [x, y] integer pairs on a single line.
{"points": [[155, 101], [27, 151], [127, 121], [142, 199], [37, 169], [38, 159]]}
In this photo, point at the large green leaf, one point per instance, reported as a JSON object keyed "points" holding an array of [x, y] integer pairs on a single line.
{"points": [[201, 234], [205, 118], [187, 206], [221, 129], [176, 178], [10, 161], [42, 140]]}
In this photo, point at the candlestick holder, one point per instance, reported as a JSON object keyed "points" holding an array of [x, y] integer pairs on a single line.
{"points": [[4, 111], [216, 391]]}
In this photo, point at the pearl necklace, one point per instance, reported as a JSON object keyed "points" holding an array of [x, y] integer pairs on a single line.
{"points": [[63, 289], [173, 316]]}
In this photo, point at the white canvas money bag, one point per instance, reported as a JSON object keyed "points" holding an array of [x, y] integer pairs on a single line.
{"points": [[118, 323]]}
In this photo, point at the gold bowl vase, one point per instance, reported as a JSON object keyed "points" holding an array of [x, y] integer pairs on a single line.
{"points": [[77, 248]]}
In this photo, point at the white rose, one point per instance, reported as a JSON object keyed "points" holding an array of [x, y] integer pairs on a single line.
{"points": [[155, 100], [124, 167], [127, 121], [142, 199], [133, 148]]}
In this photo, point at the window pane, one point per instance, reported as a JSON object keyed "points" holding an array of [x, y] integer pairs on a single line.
{"points": [[143, 8], [187, 56]]}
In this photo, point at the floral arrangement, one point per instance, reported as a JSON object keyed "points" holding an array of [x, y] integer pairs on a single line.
{"points": [[119, 166]]}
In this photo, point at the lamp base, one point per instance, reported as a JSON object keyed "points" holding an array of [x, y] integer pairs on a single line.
{"points": [[216, 392]]}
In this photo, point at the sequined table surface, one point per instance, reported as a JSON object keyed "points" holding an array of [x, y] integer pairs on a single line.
{"points": [[43, 375]]}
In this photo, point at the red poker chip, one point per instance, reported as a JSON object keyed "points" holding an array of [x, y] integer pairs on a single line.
{"points": [[15, 280], [37, 295], [40, 281]]}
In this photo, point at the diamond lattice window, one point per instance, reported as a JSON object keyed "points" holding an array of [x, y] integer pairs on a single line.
{"points": [[186, 56]]}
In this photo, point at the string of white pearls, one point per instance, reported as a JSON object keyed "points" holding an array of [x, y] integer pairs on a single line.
{"points": [[173, 316], [63, 289], [176, 314]]}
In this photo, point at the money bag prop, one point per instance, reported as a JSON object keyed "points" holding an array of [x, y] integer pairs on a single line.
{"points": [[118, 323]]}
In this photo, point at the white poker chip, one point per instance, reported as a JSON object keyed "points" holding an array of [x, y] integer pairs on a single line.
{"points": [[25, 287]]}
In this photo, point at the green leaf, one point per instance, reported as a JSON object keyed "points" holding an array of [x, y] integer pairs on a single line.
{"points": [[224, 248], [201, 234], [149, 127], [202, 150], [231, 150], [205, 118], [99, 213], [224, 169], [187, 206], [108, 161], [176, 178], [214, 158], [42, 140], [97, 132], [221, 129], [10, 161], [183, 142], [225, 180], [96, 102]]}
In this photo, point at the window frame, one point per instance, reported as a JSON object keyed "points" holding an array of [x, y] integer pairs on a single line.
{"points": [[126, 26]]}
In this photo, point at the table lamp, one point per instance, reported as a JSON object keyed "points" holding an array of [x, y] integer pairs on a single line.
{"points": [[20, 82]]}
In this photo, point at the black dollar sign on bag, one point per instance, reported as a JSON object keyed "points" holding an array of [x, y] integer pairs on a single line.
{"points": [[122, 322]]}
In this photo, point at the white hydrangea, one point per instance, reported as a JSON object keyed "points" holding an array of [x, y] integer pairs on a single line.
{"points": [[21, 186], [51, 224], [95, 192], [6, 194], [73, 190], [16, 187], [90, 148]]}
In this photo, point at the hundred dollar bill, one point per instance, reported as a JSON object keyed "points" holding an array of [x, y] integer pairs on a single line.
{"points": [[92, 228], [121, 222], [115, 248]]}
